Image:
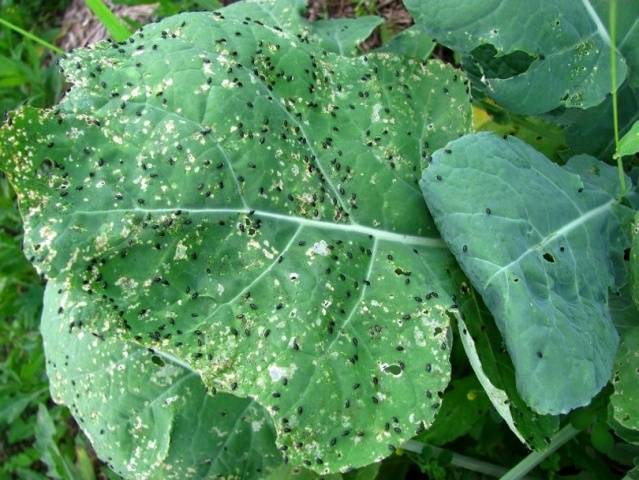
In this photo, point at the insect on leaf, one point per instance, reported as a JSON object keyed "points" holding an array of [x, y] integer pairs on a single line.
{"points": [[252, 210], [535, 241]]}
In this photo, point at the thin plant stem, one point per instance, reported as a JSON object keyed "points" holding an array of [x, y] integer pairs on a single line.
{"points": [[461, 461], [535, 458], [613, 80], [31, 36]]}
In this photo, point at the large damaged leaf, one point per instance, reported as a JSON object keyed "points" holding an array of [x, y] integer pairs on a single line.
{"points": [[545, 54], [535, 240], [146, 415], [239, 199]]}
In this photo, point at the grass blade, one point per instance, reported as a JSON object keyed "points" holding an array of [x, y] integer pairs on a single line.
{"points": [[116, 28], [535, 458], [31, 36]]}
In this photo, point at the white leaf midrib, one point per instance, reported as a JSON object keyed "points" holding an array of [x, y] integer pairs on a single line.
{"points": [[378, 234], [601, 29], [564, 230]]}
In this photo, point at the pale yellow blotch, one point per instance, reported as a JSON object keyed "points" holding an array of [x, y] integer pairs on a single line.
{"points": [[180, 251]]}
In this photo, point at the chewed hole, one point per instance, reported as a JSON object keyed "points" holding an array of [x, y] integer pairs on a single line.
{"points": [[549, 258], [157, 360], [46, 165], [495, 65], [626, 254], [393, 369]]}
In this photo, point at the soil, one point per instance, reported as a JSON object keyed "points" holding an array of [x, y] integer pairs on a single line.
{"points": [[81, 28]]}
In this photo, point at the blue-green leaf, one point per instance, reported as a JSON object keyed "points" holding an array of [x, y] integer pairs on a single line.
{"points": [[534, 239], [566, 43]]}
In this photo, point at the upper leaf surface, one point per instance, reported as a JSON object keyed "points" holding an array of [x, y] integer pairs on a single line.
{"points": [[534, 240], [237, 197], [146, 416], [567, 40]]}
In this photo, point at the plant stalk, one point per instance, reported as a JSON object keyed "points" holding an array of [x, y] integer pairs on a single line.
{"points": [[535, 458], [31, 36], [613, 79], [461, 461]]}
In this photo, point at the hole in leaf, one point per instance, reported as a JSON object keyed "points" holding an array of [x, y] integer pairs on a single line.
{"points": [[157, 360], [549, 258], [46, 166], [502, 66], [626, 254], [393, 369]]}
